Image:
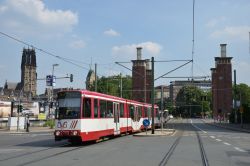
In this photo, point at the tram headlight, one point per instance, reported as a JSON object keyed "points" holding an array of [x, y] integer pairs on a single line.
{"points": [[75, 133], [57, 133]]}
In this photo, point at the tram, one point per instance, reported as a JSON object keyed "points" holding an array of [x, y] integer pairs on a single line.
{"points": [[84, 115]]}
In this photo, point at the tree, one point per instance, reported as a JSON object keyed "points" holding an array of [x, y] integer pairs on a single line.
{"points": [[111, 86], [242, 93], [193, 102]]}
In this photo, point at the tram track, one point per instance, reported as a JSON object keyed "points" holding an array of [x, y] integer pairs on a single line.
{"points": [[166, 158], [170, 152], [52, 154], [33, 152]]}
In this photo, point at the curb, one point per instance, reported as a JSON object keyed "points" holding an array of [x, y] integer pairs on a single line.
{"points": [[158, 133], [227, 127]]}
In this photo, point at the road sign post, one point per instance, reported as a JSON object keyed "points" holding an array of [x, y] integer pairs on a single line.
{"points": [[241, 118]]}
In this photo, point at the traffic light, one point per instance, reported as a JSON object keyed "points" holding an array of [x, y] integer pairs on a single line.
{"points": [[71, 77], [20, 108]]}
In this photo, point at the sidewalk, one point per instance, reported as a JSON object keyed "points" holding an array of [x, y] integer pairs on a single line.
{"points": [[231, 126], [158, 132], [32, 130]]}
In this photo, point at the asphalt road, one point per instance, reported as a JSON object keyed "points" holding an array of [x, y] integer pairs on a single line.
{"points": [[221, 147]]}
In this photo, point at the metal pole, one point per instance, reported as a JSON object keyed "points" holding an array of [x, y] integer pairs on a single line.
{"points": [[162, 108], [52, 93], [235, 110], [120, 84], [152, 96], [241, 112], [95, 77], [241, 120]]}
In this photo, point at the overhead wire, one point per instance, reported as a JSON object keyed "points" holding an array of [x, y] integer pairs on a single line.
{"points": [[44, 51]]}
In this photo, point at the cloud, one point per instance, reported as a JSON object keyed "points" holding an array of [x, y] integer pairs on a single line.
{"points": [[111, 32], [3, 9], [215, 21], [33, 14], [233, 32], [149, 49], [77, 44]]}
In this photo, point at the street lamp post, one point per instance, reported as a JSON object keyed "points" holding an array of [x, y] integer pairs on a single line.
{"points": [[52, 91]]}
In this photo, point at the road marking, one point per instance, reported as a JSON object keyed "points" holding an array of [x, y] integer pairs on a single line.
{"points": [[226, 143], [239, 149], [218, 140], [197, 127], [2, 151], [212, 137]]}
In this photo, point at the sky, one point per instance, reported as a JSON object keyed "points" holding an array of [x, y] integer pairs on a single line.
{"points": [[78, 34]]}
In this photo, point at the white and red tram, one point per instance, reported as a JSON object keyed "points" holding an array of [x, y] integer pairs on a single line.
{"points": [[84, 115]]}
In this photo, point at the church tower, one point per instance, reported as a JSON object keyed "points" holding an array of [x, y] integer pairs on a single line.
{"points": [[28, 71]]}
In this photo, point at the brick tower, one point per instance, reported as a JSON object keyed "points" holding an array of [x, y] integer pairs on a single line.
{"points": [[28, 71], [222, 84], [141, 78]]}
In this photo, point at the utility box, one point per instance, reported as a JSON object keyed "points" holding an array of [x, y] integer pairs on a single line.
{"points": [[13, 123]]}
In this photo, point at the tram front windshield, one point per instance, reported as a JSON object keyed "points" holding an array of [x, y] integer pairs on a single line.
{"points": [[69, 104]]}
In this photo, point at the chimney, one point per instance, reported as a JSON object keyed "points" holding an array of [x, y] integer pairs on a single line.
{"points": [[139, 53], [223, 50], [148, 66]]}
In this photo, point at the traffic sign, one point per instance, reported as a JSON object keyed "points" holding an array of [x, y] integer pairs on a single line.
{"points": [[41, 116], [146, 122], [50, 80]]}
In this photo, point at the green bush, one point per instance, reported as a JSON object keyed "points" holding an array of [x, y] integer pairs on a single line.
{"points": [[50, 123]]}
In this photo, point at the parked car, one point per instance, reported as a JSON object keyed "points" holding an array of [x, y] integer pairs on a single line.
{"points": [[171, 116], [27, 112]]}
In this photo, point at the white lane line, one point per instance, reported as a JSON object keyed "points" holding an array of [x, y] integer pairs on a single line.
{"points": [[239, 149], [226, 143], [219, 140], [212, 137], [197, 127]]}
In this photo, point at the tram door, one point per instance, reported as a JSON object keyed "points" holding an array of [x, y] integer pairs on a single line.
{"points": [[136, 117], [116, 110]]}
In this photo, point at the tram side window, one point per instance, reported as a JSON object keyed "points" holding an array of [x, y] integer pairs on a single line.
{"points": [[139, 112], [145, 112], [86, 112], [121, 110], [110, 109], [131, 111], [103, 108], [149, 112], [95, 108], [158, 113]]}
